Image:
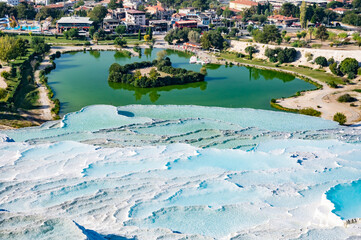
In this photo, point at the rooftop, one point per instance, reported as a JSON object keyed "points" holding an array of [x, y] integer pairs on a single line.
{"points": [[132, 11], [75, 20], [245, 2]]}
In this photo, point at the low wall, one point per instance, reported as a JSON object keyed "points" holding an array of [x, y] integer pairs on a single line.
{"points": [[338, 55]]}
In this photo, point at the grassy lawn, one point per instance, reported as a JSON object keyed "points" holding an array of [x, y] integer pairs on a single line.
{"points": [[53, 40], [319, 75]]}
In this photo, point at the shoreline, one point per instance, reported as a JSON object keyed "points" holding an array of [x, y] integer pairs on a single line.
{"points": [[319, 98]]}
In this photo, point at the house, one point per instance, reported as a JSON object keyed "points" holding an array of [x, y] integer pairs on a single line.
{"points": [[242, 4], [132, 4], [203, 19], [186, 23], [187, 11], [66, 23], [338, 10], [159, 25], [11, 2], [110, 23], [135, 17], [159, 11], [282, 20]]}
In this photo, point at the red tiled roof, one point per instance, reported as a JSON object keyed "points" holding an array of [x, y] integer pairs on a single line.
{"points": [[155, 8], [281, 17], [231, 9], [245, 2]]}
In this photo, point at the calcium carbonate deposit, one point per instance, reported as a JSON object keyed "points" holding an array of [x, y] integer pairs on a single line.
{"points": [[181, 172]]}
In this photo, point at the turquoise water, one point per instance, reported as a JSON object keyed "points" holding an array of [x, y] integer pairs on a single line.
{"points": [[29, 28], [80, 79], [347, 199]]}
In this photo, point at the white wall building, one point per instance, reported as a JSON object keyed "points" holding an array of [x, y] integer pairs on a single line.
{"points": [[11, 2], [135, 17]]}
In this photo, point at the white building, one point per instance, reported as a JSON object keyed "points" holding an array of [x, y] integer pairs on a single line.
{"points": [[11, 2], [135, 17]]}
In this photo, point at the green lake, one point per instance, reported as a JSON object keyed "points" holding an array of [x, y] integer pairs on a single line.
{"points": [[80, 79]]}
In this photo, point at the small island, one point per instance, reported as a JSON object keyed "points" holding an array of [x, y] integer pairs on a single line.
{"points": [[150, 74]]}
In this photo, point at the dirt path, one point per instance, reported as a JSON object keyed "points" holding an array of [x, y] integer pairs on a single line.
{"points": [[3, 83], [45, 104]]}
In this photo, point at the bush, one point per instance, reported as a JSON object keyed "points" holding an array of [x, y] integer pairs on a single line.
{"points": [[330, 61], [359, 71], [349, 65], [3, 93], [332, 84], [322, 61], [280, 55], [309, 56], [87, 43], [346, 98], [5, 75], [122, 74], [58, 54], [340, 118], [335, 69], [310, 112]]}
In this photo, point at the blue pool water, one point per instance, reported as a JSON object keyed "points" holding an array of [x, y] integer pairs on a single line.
{"points": [[27, 28], [347, 199]]}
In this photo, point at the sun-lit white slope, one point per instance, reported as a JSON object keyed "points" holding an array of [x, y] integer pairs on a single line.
{"points": [[275, 192], [175, 172], [203, 127]]}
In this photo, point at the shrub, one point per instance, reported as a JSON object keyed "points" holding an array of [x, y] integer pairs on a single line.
{"points": [[310, 112], [349, 65], [331, 61], [3, 93], [309, 56], [5, 75], [359, 71], [340, 118], [346, 98], [332, 84], [57, 54], [322, 61], [87, 43], [316, 46], [335, 69]]}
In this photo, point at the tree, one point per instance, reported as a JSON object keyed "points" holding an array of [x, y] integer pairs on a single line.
{"points": [[146, 38], [153, 74], [91, 31], [20, 47], [120, 29], [289, 9], [349, 66], [72, 33], [194, 36], [38, 45], [150, 32], [219, 11], [139, 35], [270, 33], [322, 61], [120, 42], [310, 31], [96, 37], [205, 42], [250, 28], [112, 4], [250, 50], [303, 17], [356, 3], [321, 33], [340, 118], [161, 55], [98, 14], [7, 48], [25, 11]]}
